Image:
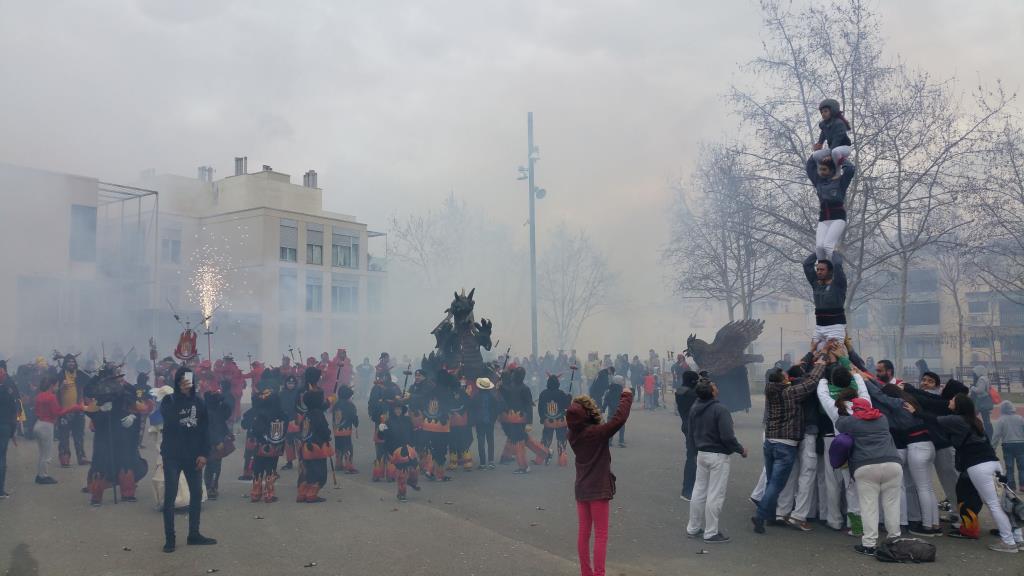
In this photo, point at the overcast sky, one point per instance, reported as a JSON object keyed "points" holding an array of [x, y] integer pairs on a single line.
{"points": [[395, 103]]}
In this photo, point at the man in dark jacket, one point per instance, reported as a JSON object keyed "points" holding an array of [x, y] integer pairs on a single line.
{"points": [[611, 401], [9, 402], [828, 288], [685, 398], [710, 426], [185, 448], [483, 412]]}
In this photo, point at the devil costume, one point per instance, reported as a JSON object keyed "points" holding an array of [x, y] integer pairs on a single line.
{"points": [[436, 410], [316, 448], [551, 406], [398, 435], [461, 435], [115, 416], [220, 407], [345, 422], [289, 400], [382, 397], [266, 423], [70, 389], [517, 416]]}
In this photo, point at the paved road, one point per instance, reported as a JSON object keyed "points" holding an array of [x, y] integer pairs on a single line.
{"points": [[490, 522]]}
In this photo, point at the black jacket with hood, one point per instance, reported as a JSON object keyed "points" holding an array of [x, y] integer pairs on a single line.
{"points": [[834, 130], [710, 428], [186, 433]]}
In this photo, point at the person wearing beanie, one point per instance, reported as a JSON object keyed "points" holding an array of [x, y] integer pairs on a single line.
{"points": [[551, 406], [345, 420], [1008, 430], [611, 400], [686, 396]]}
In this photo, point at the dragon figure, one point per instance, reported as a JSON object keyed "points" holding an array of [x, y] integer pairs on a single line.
{"points": [[725, 360], [459, 338]]}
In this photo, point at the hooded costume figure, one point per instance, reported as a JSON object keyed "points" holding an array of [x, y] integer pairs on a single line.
{"points": [[266, 423], [345, 422], [289, 400], [551, 406], [517, 417], [116, 416], [184, 449], [316, 447], [397, 434], [461, 435], [383, 395], [220, 407], [70, 390], [436, 410]]}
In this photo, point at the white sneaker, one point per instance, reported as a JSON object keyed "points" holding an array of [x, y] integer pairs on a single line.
{"points": [[1003, 547]]}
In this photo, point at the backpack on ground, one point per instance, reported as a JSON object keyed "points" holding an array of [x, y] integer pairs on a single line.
{"points": [[905, 550]]}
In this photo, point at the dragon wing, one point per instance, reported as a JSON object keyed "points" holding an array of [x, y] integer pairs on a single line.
{"points": [[737, 335]]}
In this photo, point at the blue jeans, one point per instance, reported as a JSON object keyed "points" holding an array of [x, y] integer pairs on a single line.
{"points": [[778, 463], [1013, 458]]}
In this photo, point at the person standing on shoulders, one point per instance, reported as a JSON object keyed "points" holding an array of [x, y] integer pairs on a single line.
{"points": [[184, 449]]}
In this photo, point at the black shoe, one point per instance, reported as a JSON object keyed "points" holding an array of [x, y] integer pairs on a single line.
{"points": [[45, 480], [717, 539], [402, 498], [129, 499], [758, 524], [169, 546], [245, 477], [287, 466], [415, 487], [865, 550], [200, 540]]}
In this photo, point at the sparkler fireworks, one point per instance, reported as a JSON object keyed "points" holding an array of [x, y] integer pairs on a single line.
{"points": [[209, 281]]}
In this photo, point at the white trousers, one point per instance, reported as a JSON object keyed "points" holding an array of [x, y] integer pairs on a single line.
{"points": [[797, 498], [822, 334], [827, 238], [708, 493], [43, 431], [879, 483], [836, 482], [920, 461], [983, 477]]}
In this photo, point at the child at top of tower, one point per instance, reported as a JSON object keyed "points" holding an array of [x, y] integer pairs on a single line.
{"points": [[834, 138]]}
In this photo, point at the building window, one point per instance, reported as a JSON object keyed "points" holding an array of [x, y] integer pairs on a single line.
{"points": [[344, 294], [287, 286], [315, 244], [289, 240], [922, 313], [923, 280], [170, 247], [977, 307], [82, 247], [344, 249], [314, 292]]}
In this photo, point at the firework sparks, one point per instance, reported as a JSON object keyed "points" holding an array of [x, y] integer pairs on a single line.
{"points": [[209, 281]]}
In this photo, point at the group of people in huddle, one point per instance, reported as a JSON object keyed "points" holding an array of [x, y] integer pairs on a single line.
{"points": [[841, 443]]}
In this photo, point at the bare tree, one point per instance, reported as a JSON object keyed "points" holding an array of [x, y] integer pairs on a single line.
{"points": [[913, 141], [719, 250], [432, 243], [955, 264], [1001, 208], [573, 282]]}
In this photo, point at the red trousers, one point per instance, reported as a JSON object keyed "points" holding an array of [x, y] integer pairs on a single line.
{"points": [[593, 516]]}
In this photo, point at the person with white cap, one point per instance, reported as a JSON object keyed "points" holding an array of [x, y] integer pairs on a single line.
{"points": [[483, 413]]}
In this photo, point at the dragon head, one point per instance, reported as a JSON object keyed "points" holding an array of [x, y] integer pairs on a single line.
{"points": [[462, 307]]}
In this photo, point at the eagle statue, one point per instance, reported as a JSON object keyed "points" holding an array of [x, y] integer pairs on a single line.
{"points": [[725, 360]]}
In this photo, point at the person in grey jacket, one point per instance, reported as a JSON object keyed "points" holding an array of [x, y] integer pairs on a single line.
{"points": [[1009, 431], [828, 289], [982, 397], [875, 465], [710, 427]]}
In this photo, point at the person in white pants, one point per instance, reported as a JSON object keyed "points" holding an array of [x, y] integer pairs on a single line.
{"points": [[840, 479]]}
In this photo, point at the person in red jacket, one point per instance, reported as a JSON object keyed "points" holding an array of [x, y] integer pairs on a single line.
{"points": [[595, 483], [48, 411]]}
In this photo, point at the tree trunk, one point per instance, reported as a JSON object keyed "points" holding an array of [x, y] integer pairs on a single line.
{"points": [[904, 279], [960, 329]]}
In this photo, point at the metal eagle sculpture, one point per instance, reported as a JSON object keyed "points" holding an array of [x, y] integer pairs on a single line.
{"points": [[725, 360], [459, 338]]}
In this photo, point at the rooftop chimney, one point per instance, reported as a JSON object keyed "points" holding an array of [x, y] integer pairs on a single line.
{"points": [[309, 179], [205, 173], [267, 168], [241, 165]]}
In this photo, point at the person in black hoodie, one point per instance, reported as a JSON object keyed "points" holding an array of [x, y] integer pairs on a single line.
{"points": [[316, 448], [685, 398], [346, 423], [551, 406], [219, 406], [397, 434], [611, 402], [10, 401], [185, 448], [711, 430]]}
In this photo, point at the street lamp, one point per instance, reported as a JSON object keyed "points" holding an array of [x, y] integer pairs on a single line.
{"points": [[533, 155]]}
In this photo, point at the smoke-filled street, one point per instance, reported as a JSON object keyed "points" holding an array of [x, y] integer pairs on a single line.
{"points": [[483, 522]]}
